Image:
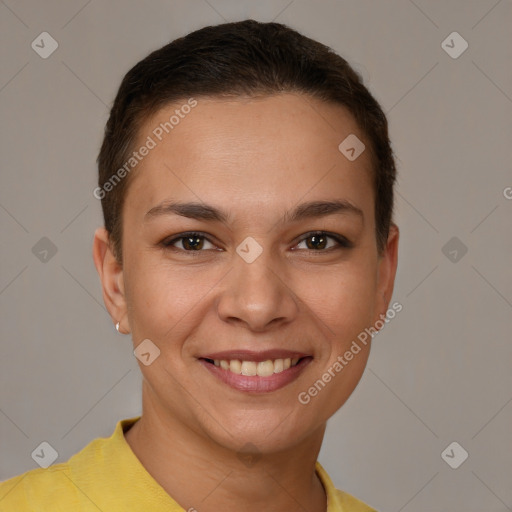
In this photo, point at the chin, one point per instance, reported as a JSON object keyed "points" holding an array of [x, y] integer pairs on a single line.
{"points": [[266, 431]]}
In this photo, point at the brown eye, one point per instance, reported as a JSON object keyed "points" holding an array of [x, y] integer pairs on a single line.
{"points": [[318, 241], [190, 242]]}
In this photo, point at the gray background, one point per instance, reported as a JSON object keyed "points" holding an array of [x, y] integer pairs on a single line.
{"points": [[439, 372]]}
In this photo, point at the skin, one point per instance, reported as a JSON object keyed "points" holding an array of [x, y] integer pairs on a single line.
{"points": [[256, 159]]}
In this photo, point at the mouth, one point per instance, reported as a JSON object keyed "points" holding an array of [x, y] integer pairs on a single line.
{"points": [[256, 372], [252, 368]]}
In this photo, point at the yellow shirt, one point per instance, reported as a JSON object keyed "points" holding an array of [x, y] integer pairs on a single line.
{"points": [[107, 476]]}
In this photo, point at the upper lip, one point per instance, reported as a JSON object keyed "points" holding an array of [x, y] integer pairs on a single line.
{"points": [[251, 355]]}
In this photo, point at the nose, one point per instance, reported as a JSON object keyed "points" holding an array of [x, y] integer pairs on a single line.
{"points": [[258, 294]]}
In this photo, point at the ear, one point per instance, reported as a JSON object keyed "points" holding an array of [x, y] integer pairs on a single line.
{"points": [[111, 276], [386, 272]]}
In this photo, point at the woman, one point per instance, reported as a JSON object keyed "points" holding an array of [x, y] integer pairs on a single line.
{"points": [[246, 180]]}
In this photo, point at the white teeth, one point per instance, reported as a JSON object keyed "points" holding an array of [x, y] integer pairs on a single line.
{"points": [[278, 366], [235, 366], [249, 368], [252, 368], [265, 368]]}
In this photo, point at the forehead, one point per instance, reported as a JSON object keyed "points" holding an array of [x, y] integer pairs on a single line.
{"points": [[250, 152]]}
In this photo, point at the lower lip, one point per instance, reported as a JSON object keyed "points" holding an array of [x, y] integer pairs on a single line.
{"points": [[256, 384]]}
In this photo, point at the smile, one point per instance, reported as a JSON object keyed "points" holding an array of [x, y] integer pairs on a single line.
{"points": [[256, 372], [252, 368]]}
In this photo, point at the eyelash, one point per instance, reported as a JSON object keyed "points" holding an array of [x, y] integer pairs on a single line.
{"points": [[343, 243]]}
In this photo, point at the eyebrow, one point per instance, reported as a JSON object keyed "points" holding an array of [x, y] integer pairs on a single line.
{"points": [[205, 212]]}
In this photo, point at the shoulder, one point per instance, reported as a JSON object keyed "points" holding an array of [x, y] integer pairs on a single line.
{"points": [[86, 479], [349, 503], [47, 487], [339, 501]]}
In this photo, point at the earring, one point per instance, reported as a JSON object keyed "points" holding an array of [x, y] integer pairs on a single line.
{"points": [[117, 329]]}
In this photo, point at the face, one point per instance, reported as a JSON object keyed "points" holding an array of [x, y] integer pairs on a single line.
{"points": [[254, 294]]}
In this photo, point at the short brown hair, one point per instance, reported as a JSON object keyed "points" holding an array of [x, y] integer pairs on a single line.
{"points": [[245, 58]]}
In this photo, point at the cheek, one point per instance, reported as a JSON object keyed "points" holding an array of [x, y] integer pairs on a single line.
{"points": [[343, 299], [343, 308], [165, 300]]}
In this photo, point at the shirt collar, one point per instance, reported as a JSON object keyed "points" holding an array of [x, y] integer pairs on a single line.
{"points": [[113, 459]]}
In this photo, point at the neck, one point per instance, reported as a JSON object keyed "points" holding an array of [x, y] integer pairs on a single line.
{"points": [[198, 473]]}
